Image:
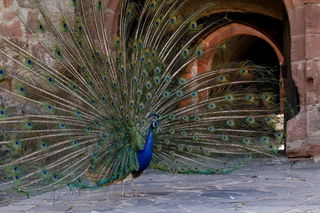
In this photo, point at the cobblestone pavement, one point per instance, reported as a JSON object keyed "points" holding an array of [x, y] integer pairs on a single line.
{"points": [[265, 186]]}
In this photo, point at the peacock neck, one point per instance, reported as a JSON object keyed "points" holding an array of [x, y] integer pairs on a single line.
{"points": [[145, 155], [149, 140]]}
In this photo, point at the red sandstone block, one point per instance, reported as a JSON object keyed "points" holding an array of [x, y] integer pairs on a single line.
{"points": [[12, 30], [7, 3], [312, 18], [298, 48], [297, 20], [299, 78], [9, 15], [310, 1], [312, 46], [297, 2], [296, 129], [314, 68]]}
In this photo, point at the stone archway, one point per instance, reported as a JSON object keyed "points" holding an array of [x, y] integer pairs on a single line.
{"points": [[234, 29], [220, 35]]}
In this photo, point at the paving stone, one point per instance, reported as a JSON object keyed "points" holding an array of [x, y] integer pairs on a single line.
{"points": [[265, 186]]}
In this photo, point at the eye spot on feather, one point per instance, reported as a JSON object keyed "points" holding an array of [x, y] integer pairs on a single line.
{"points": [[243, 71], [29, 62], [197, 118], [246, 141], [173, 20], [75, 143], [167, 142], [250, 120], [180, 147], [2, 74], [182, 81], [44, 145], [141, 106], [88, 130], [185, 118], [94, 155], [172, 153], [231, 123], [194, 94], [225, 138], [184, 133], [268, 120], [212, 106], [250, 98], [158, 70], [15, 169], [279, 135], [185, 52], [229, 98], [199, 53], [148, 85], [166, 94], [171, 116], [65, 26], [158, 147], [193, 25], [211, 129], [168, 79], [149, 96], [264, 139], [179, 93]]}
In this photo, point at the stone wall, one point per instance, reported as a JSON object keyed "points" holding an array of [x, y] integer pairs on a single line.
{"points": [[303, 131]]}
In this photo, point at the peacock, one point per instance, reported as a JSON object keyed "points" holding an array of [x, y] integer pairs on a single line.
{"points": [[103, 105]]}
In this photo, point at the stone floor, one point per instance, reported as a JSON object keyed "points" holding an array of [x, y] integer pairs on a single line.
{"points": [[265, 186]]}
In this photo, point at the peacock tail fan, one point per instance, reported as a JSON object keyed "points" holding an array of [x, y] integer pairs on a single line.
{"points": [[88, 93]]}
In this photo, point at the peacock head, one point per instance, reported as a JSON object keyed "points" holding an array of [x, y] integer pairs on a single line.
{"points": [[154, 124]]}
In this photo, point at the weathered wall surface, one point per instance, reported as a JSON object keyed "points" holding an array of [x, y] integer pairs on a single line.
{"points": [[303, 132]]}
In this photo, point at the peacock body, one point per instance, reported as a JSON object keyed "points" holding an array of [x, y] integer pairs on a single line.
{"points": [[101, 106]]}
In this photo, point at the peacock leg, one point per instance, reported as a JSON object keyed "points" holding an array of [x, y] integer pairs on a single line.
{"points": [[135, 192], [123, 192]]}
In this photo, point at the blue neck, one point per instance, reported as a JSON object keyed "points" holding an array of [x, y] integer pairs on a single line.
{"points": [[145, 155]]}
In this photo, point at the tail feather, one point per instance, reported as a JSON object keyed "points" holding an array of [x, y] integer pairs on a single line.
{"points": [[91, 94]]}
